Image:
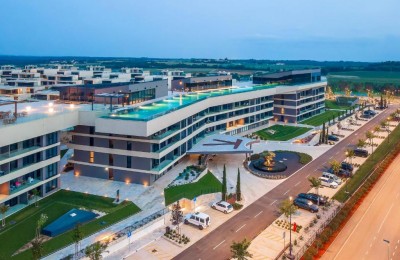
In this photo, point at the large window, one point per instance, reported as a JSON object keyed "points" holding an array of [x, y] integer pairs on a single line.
{"points": [[51, 185], [52, 152], [52, 138], [52, 170]]}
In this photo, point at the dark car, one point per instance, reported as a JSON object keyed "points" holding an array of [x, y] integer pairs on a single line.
{"points": [[306, 204], [369, 113], [341, 173], [333, 138], [360, 152], [313, 197], [347, 166]]}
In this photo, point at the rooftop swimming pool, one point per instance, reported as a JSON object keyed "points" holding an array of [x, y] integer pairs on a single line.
{"points": [[173, 103]]}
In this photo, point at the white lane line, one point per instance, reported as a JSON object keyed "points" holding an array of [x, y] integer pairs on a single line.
{"points": [[286, 192], [308, 175], [398, 241], [218, 245], [384, 219], [355, 134], [395, 248], [271, 204], [297, 183], [258, 214], [337, 153], [331, 157], [366, 253], [240, 228], [370, 245]]}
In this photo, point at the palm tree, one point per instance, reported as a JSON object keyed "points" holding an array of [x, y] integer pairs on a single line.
{"points": [[42, 219], [94, 251], [77, 236], [36, 193], [335, 165], [350, 154], [238, 188], [287, 208], [37, 248], [240, 250], [3, 210], [224, 185], [370, 136], [316, 184], [361, 143]]}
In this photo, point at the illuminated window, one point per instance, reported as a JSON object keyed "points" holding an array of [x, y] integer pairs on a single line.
{"points": [[282, 110], [91, 157]]}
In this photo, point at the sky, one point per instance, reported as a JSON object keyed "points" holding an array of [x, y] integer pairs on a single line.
{"points": [[358, 30]]}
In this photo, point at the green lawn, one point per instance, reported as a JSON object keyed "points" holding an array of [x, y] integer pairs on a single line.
{"points": [[364, 170], [13, 237], [282, 132], [332, 104], [321, 118], [63, 152], [207, 184]]}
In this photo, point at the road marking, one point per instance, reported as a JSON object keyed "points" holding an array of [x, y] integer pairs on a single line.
{"points": [[272, 203], [240, 228], [365, 213], [218, 245], [297, 183], [395, 248], [286, 192], [337, 153], [397, 196], [398, 241], [331, 157], [384, 219], [309, 175], [355, 134], [259, 213], [370, 245], [366, 253]]}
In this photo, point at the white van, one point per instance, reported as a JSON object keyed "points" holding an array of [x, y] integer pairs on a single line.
{"points": [[328, 183], [200, 220], [332, 177]]}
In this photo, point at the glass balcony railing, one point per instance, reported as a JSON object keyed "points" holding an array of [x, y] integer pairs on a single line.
{"points": [[19, 186]]}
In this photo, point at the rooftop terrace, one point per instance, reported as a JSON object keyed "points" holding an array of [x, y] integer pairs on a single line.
{"points": [[172, 103]]}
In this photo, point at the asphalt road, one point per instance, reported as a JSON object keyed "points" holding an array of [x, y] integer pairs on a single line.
{"points": [[256, 217], [376, 219]]}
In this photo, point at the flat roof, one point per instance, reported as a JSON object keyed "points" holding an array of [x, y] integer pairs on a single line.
{"points": [[222, 144]]}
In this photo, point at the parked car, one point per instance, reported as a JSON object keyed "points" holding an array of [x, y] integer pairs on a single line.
{"points": [[222, 206], [313, 197], [333, 138], [360, 152], [370, 113], [328, 183], [306, 204], [332, 177], [198, 219], [347, 166], [341, 173]]}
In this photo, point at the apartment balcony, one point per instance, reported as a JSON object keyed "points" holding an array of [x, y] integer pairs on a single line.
{"points": [[19, 186], [5, 156]]}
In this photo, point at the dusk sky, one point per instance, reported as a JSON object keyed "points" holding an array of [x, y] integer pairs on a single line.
{"points": [[361, 30]]}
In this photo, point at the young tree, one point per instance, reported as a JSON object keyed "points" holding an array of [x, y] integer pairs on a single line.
{"points": [[335, 165], [35, 193], [3, 210], [224, 185], [37, 248], [77, 236], [42, 219], [316, 184], [240, 250], [384, 124], [323, 133], [94, 251], [238, 189], [177, 215], [377, 128]]}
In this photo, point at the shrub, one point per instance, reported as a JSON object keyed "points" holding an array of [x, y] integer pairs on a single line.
{"points": [[237, 206], [254, 157]]}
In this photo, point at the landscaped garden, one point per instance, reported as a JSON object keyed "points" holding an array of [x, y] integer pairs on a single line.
{"points": [[321, 118], [188, 175], [281, 132], [332, 104], [20, 227], [205, 185]]}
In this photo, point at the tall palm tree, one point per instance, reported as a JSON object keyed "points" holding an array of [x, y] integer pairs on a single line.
{"points": [[350, 155], [370, 136], [287, 208], [3, 210], [240, 250], [316, 184], [335, 165]]}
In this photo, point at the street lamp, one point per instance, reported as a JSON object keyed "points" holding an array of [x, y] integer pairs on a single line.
{"points": [[347, 154], [388, 247], [290, 229]]}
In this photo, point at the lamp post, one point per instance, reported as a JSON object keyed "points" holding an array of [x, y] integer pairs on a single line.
{"points": [[290, 229], [347, 154], [388, 247]]}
